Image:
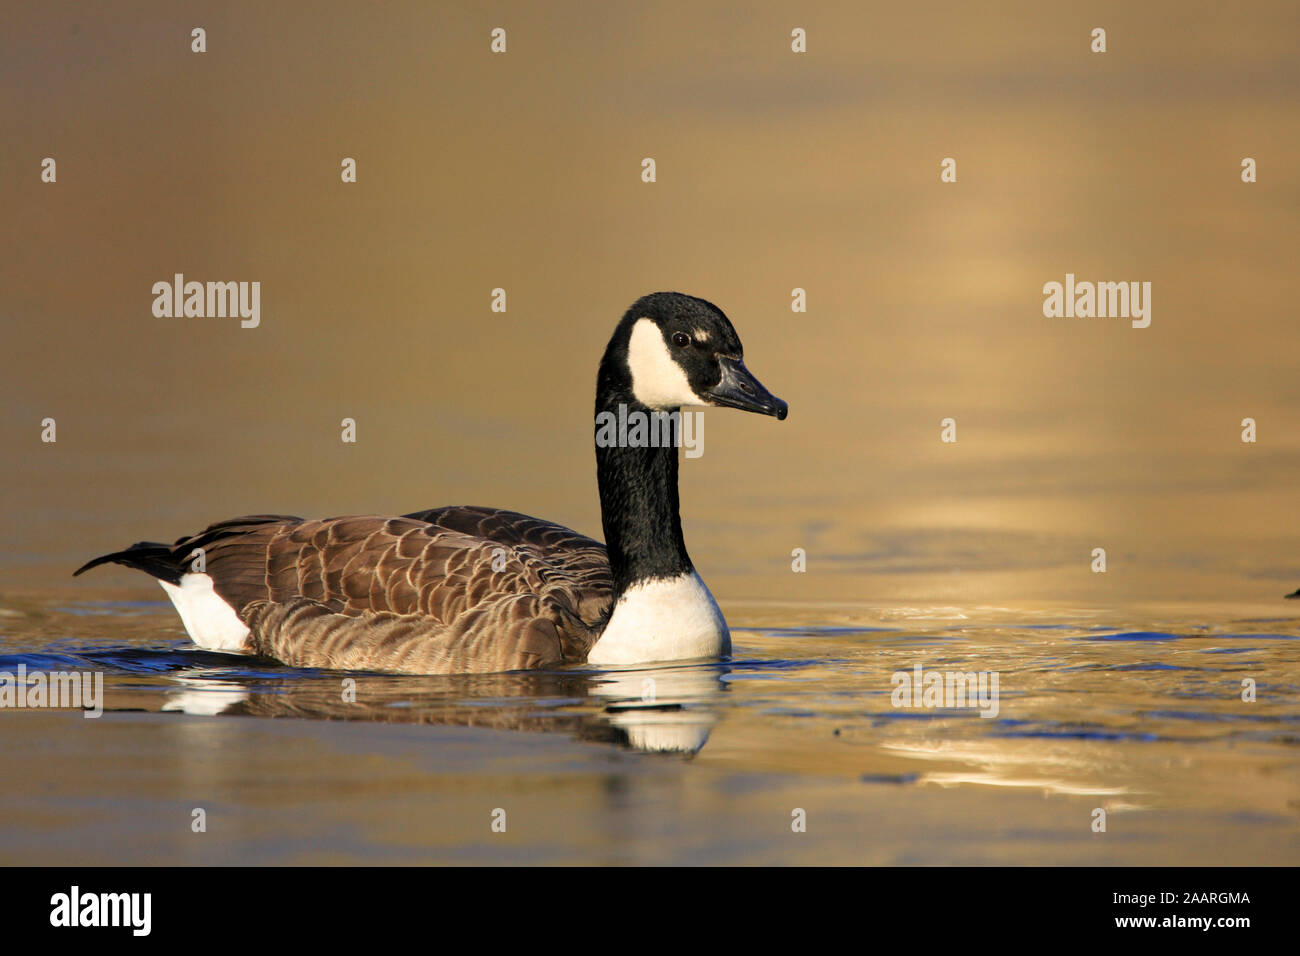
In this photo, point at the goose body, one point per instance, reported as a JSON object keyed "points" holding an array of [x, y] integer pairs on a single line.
{"points": [[470, 589]]}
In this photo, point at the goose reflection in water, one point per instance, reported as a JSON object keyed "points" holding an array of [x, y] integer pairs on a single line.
{"points": [[651, 709]]}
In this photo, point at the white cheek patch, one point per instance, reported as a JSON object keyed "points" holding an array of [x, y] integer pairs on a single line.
{"points": [[657, 381]]}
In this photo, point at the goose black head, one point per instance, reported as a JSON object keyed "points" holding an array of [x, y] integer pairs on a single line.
{"points": [[672, 350]]}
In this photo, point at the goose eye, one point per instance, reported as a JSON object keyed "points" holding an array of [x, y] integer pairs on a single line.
{"points": [[681, 339]]}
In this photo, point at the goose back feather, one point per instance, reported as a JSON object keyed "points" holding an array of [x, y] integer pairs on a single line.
{"points": [[443, 591]]}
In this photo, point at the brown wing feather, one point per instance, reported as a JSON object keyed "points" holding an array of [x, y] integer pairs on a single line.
{"points": [[583, 572], [510, 634], [450, 590]]}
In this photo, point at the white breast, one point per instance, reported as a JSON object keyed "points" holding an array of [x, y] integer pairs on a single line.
{"points": [[671, 619]]}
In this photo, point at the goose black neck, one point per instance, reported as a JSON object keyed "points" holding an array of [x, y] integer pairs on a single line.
{"points": [[638, 501]]}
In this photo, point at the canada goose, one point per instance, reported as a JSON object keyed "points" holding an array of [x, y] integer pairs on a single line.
{"points": [[468, 589]]}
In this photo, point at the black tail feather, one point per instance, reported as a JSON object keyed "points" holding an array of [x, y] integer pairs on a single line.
{"points": [[147, 556], [167, 562]]}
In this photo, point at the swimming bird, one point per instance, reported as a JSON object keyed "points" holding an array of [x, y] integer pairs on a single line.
{"points": [[467, 589]]}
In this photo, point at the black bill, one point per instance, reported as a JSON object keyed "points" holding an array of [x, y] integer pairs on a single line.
{"points": [[739, 389]]}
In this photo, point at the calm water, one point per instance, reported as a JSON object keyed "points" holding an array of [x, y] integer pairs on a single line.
{"points": [[776, 171], [1139, 716]]}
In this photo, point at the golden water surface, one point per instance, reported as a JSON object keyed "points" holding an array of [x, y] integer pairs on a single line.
{"points": [[1120, 691]]}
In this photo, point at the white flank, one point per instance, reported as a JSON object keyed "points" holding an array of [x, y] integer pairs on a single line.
{"points": [[211, 622], [657, 380], [672, 619]]}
